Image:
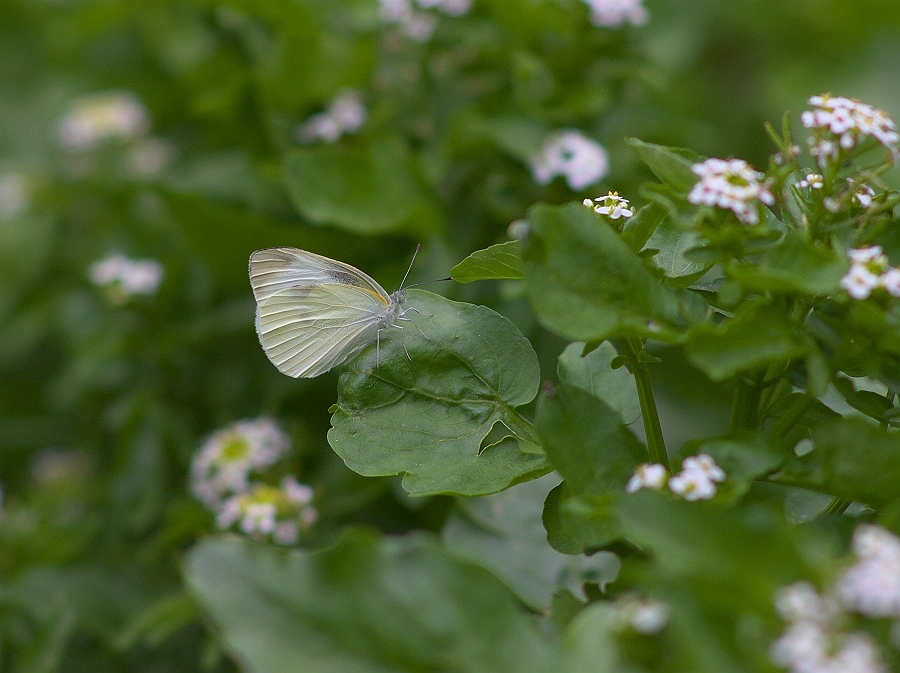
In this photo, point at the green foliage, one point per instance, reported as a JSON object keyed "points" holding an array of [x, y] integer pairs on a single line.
{"points": [[463, 515]]}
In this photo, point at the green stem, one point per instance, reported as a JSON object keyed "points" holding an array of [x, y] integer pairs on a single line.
{"points": [[836, 507], [791, 415], [656, 444], [744, 405]]}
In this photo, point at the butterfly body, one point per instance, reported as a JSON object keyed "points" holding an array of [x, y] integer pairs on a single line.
{"points": [[314, 313]]}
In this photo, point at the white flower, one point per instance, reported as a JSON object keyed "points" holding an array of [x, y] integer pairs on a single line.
{"points": [[840, 123], [859, 281], [812, 181], [644, 615], [420, 26], [224, 463], [266, 512], [612, 205], [105, 116], [14, 197], [125, 277], [615, 13], [582, 161], [863, 196], [259, 517], [297, 493], [872, 585], [867, 255], [731, 184], [890, 281], [813, 642], [648, 475], [344, 115], [697, 479]]}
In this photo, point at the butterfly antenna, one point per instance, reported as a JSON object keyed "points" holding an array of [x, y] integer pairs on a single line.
{"points": [[426, 282], [411, 262]]}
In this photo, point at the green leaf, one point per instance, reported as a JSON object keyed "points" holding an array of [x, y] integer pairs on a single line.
{"points": [[642, 224], [426, 415], [589, 642], [503, 533], [672, 241], [593, 450], [586, 285], [594, 373], [671, 165], [520, 137], [365, 189], [794, 265], [759, 335], [501, 261], [365, 605], [851, 459]]}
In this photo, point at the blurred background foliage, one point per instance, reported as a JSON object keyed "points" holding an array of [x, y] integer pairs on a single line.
{"points": [[103, 403]]}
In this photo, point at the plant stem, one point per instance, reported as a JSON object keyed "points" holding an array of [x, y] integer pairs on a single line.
{"points": [[656, 444], [791, 415], [836, 507]]}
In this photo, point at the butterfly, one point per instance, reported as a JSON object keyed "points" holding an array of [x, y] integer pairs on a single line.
{"points": [[313, 313]]}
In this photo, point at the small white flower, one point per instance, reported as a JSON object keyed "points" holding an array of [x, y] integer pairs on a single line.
{"points": [[420, 26], [801, 602], [100, 117], [125, 277], [286, 533], [418, 22], [14, 196], [647, 616], [733, 185], [868, 255], [615, 13], [811, 181], [259, 517], [582, 161], [297, 493], [648, 475], [697, 479], [344, 115], [863, 196], [612, 205], [890, 281], [859, 281]]}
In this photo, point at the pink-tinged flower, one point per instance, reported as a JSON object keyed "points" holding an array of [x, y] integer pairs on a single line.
{"points": [[648, 475], [582, 161], [733, 185]]}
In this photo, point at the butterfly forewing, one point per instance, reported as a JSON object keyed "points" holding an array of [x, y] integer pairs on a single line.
{"points": [[276, 269]]}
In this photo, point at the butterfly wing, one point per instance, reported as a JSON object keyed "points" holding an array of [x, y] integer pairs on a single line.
{"points": [[305, 331], [274, 270]]}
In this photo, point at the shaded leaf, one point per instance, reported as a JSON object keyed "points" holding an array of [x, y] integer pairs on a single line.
{"points": [[594, 373], [365, 605], [794, 265], [671, 165], [501, 261]]}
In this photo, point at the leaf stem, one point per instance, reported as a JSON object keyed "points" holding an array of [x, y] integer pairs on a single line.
{"points": [[656, 445], [836, 507]]}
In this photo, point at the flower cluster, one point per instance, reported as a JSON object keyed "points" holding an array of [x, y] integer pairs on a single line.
{"points": [[869, 270], [840, 124], [415, 18], [733, 185], [14, 196], [612, 205], [264, 511], [222, 474], [124, 278], [582, 161], [696, 481], [94, 119], [813, 641], [345, 114], [615, 13], [872, 585], [811, 181]]}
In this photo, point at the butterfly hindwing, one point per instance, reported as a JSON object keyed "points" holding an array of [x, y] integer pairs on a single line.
{"points": [[307, 330]]}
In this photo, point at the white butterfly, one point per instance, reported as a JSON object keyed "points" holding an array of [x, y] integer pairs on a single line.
{"points": [[313, 313]]}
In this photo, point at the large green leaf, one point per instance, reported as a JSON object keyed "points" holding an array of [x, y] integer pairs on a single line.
{"points": [[587, 285], [426, 415], [501, 261], [366, 189], [365, 605], [672, 241], [760, 335], [596, 454], [851, 459], [503, 533]]}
